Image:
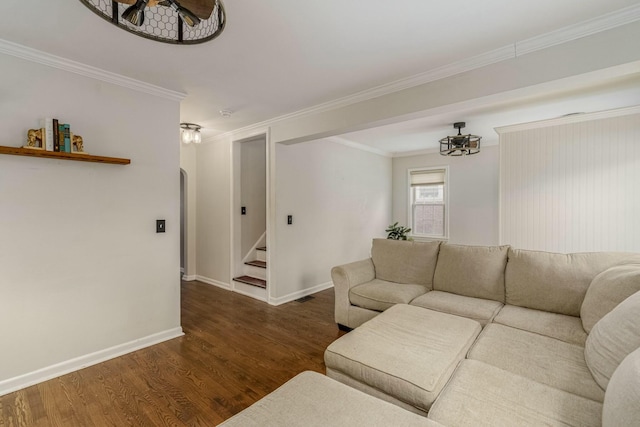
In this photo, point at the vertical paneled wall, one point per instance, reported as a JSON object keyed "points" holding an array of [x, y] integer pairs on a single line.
{"points": [[573, 184]]}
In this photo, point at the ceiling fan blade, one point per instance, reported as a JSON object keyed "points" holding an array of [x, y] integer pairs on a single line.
{"points": [[201, 8]]}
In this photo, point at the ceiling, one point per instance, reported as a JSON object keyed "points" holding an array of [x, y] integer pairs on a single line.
{"points": [[280, 56]]}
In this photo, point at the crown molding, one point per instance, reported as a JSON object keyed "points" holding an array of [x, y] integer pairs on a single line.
{"points": [[357, 145], [582, 29], [569, 119], [40, 57], [518, 48]]}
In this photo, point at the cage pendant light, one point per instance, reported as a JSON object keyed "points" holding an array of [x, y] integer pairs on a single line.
{"points": [[460, 145]]}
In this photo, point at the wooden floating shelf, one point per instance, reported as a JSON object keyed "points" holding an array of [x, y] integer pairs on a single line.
{"points": [[30, 152]]}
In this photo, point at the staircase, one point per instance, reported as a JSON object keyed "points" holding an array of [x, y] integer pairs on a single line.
{"points": [[254, 272]]}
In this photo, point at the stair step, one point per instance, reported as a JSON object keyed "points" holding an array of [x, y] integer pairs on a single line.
{"points": [[252, 281], [257, 263], [261, 248]]}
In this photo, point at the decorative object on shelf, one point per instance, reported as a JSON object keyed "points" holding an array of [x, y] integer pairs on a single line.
{"points": [[77, 144], [34, 139], [460, 145], [164, 20], [397, 232], [190, 133]]}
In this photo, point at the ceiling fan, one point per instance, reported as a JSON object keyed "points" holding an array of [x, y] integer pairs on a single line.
{"points": [[168, 21], [191, 11]]}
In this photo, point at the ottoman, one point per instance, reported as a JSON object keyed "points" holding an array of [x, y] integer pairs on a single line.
{"points": [[313, 400], [405, 355]]}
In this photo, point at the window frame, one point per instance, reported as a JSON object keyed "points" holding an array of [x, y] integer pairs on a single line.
{"points": [[409, 205]]}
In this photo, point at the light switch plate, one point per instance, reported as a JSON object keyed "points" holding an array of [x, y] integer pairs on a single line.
{"points": [[160, 226]]}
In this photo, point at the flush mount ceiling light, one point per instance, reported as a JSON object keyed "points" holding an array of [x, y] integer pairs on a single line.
{"points": [[460, 145], [190, 133], [168, 21]]}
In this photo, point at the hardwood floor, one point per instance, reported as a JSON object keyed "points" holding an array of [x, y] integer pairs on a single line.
{"points": [[235, 351]]}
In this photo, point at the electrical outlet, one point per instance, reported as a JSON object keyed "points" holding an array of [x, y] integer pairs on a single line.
{"points": [[160, 226], [289, 219]]}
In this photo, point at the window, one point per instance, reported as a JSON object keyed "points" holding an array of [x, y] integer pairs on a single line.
{"points": [[428, 202]]}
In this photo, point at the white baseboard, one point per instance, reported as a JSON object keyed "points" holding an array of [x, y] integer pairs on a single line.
{"points": [[189, 278], [213, 282], [22, 381], [250, 291], [303, 293]]}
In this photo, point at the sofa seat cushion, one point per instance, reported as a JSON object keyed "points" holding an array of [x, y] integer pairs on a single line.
{"points": [[473, 271], [558, 326], [546, 360], [379, 294], [407, 352], [481, 310], [614, 337], [622, 401], [405, 261], [313, 400], [483, 395]]}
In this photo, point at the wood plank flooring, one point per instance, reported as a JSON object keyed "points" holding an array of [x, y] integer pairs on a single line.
{"points": [[235, 351]]}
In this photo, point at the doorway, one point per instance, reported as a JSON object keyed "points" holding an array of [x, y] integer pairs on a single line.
{"points": [[249, 261]]}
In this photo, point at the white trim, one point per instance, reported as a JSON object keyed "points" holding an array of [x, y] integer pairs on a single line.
{"points": [[213, 282], [447, 190], [518, 48], [299, 294], [251, 254], [573, 118], [271, 254], [44, 58], [22, 381], [596, 25], [357, 146], [416, 153], [254, 292], [190, 278]]}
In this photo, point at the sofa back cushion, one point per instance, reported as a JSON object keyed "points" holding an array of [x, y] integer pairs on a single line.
{"points": [[621, 401], [607, 290], [473, 271], [403, 261], [614, 337], [554, 282]]}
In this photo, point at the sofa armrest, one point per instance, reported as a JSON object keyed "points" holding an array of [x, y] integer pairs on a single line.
{"points": [[345, 277]]}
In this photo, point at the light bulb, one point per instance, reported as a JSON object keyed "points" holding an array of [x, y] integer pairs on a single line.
{"points": [[135, 13]]}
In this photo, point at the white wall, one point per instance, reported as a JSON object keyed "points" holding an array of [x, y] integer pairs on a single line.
{"points": [[82, 269], [213, 207], [253, 192], [572, 184], [340, 198], [473, 193]]}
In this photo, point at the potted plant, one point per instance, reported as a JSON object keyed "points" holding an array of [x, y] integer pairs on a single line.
{"points": [[397, 232]]}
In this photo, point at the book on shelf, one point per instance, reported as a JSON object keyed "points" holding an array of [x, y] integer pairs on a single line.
{"points": [[56, 135], [47, 133], [66, 129]]}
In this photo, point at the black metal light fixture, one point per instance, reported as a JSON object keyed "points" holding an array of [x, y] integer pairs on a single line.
{"points": [[460, 145], [164, 20]]}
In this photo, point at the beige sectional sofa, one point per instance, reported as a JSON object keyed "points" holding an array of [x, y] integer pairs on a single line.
{"points": [[544, 333]]}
